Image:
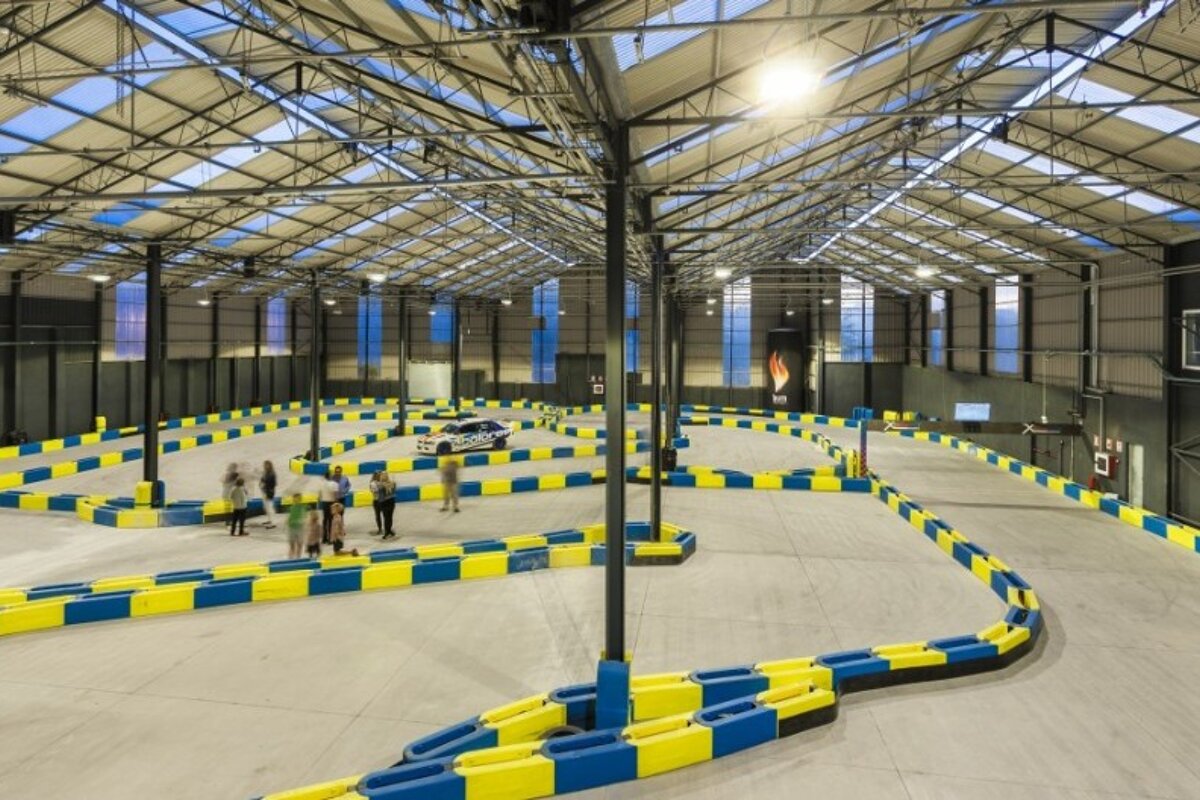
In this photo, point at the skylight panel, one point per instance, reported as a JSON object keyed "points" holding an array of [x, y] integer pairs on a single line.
{"points": [[1163, 119], [200, 22]]}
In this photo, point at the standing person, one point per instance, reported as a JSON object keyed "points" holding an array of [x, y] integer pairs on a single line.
{"points": [[343, 485], [266, 484], [337, 532], [327, 497], [297, 512], [449, 470], [387, 504], [228, 480], [315, 528], [239, 499], [377, 502]]}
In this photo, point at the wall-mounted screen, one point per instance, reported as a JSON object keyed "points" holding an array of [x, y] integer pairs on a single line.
{"points": [[972, 412]]}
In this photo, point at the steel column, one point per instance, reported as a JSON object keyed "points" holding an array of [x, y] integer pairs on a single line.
{"points": [[293, 308], [402, 358], [314, 372], [97, 352], [983, 331], [12, 416], [656, 386], [496, 352], [455, 352], [215, 353], [923, 356], [614, 399], [162, 369], [256, 376], [152, 384], [1026, 310]]}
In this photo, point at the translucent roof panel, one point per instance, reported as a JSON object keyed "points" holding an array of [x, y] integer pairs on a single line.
{"points": [[84, 98], [630, 53], [1093, 183]]}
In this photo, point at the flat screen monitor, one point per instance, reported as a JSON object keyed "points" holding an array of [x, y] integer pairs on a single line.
{"points": [[972, 412]]}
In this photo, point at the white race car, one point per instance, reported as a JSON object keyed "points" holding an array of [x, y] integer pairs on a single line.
{"points": [[467, 434]]}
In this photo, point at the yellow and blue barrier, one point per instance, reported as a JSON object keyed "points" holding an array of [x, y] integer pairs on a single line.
{"points": [[131, 596], [785, 416], [684, 718], [1163, 527]]}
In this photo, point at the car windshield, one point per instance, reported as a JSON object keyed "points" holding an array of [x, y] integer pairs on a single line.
{"points": [[450, 429]]}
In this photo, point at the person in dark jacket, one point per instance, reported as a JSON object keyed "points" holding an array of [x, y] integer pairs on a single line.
{"points": [[266, 484]]}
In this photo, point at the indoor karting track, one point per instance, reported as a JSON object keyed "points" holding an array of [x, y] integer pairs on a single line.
{"points": [[243, 701]]}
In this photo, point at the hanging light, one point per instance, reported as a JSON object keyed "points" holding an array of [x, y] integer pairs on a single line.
{"points": [[710, 300], [98, 278], [506, 301], [329, 301], [432, 312], [827, 301], [791, 312], [925, 271], [378, 277], [788, 81], [562, 312], [708, 312], [204, 301], [721, 273]]}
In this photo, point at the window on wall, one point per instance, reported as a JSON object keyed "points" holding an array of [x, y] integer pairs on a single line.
{"points": [[735, 333], [545, 331], [1191, 339], [277, 326], [633, 298], [441, 324], [1007, 323], [130, 334], [370, 334], [858, 320], [937, 328]]}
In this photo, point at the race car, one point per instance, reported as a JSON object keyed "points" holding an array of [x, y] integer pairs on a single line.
{"points": [[467, 434]]}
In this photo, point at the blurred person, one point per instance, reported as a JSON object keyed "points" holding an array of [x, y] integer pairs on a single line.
{"points": [[239, 499], [449, 471], [266, 484]]}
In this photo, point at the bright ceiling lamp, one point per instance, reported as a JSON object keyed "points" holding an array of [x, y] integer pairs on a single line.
{"points": [[98, 278], [827, 301], [786, 82], [721, 273], [924, 271], [378, 277], [329, 301]]}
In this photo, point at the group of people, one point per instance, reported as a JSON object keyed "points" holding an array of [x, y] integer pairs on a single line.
{"points": [[309, 527], [234, 485]]}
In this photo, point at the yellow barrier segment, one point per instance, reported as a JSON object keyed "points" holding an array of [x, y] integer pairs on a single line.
{"points": [[664, 695], [513, 772], [525, 720], [668, 744]]}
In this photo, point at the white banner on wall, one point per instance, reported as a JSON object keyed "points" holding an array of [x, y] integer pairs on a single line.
{"points": [[428, 379]]}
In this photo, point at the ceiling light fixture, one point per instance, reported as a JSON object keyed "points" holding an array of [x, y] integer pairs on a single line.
{"points": [[708, 313], [329, 301], [710, 300], [506, 301], [204, 301], [828, 301], [721, 273], [791, 312], [378, 277], [100, 278], [786, 82], [924, 271], [433, 312]]}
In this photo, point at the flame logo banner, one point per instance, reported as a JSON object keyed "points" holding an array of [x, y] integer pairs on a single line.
{"points": [[779, 371]]}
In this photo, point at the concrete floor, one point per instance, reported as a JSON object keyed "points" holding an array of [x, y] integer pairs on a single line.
{"points": [[235, 702]]}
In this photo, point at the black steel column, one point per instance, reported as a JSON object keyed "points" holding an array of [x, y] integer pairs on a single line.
{"points": [[314, 374], [656, 386], [97, 351], [256, 376], [948, 336], [13, 389], [614, 400], [1026, 311], [215, 354], [162, 369], [364, 291], [496, 352], [152, 383], [402, 374], [923, 356], [983, 331], [292, 388], [455, 352], [671, 355], [680, 343]]}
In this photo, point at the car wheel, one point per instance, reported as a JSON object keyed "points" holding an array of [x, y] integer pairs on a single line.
{"points": [[500, 443], [443, 449]]}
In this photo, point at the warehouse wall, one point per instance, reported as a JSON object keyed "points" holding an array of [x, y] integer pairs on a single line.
{"points": [[55, 357]]}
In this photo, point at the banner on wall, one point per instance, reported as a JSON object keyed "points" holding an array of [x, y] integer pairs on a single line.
{"points": [[785, 369]]}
